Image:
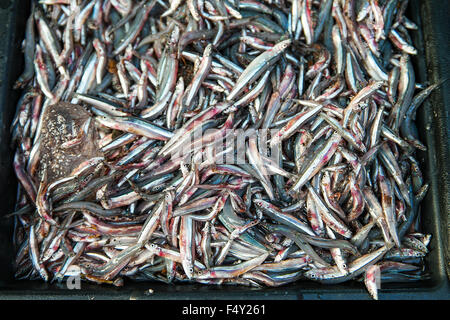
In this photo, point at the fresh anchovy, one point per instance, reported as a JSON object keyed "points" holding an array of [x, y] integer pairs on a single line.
{"points": [[136, 126], [334, 275], [248, 142], [317, 161], [29, 49], [257, 67]]}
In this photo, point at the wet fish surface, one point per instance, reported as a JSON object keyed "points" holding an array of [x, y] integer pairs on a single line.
{"points": [[253, 143]]}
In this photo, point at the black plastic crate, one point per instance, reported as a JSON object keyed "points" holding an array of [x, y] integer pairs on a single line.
{"points": [[431, 64]]}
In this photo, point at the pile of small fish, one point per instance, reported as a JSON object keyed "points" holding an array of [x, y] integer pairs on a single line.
{"points": [[335, 198]]}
